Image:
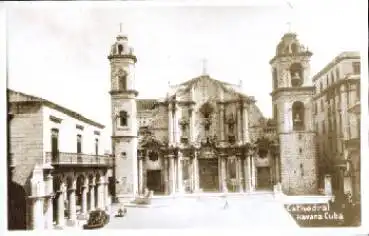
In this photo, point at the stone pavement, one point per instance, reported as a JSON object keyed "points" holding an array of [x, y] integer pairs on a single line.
{"points": [[252, 211]]}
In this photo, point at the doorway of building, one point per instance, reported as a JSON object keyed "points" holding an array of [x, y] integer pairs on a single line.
{"points": [[263, 178], [154, 181], [208, 173]]}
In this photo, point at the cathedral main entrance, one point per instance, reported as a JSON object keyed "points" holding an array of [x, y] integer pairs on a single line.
{"points": [[154, 181], [208, 173], [263, 178]]}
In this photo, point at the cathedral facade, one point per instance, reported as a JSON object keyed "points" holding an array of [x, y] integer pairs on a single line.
{"points": [[207, 135]]}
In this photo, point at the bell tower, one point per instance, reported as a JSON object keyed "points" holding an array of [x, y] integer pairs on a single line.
{"points": [[292, 111], [124, 118]]}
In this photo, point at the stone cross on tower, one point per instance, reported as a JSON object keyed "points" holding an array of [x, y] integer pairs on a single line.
{"points": [[120, 27], [204, 67], [289, 23]]}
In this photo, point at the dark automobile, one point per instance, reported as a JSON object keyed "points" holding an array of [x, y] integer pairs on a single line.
{"points": [[97, 219]]}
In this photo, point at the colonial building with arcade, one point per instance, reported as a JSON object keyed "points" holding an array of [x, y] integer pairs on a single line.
{"points": [[206, 135]]}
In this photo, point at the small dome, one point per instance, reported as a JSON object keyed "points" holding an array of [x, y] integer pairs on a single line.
{"points": [[121, 48], [289, 45]]}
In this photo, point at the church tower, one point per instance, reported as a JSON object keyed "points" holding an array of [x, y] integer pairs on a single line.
{"points": [[292, 110], [124, 118]]}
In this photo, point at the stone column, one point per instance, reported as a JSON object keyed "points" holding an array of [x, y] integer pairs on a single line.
{"points": [[277, 170], [166, 176], [60, 221], [239, 125], [196, 171], [253, 174], [221, 122], [247, 172], [179, 174], [172, 181], [245, 119], [106, 195], [49, 199], [38, 213], [224, 174], [92, 196], [140, 174], [170, 124], [192, 125], [177, 118], [84, 199], [100, 193], [240, 178], [72, 205]]}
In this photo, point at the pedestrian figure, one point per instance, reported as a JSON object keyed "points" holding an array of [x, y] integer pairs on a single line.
{"points": [[226, 204]]}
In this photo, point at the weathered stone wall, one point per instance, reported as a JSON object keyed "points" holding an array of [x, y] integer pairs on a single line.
{"points": [[298, 163], [26, 141]]}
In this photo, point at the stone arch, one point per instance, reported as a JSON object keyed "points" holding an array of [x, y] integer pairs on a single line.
{"points": [[58, 187], [97, 181], [70, 181], [294, 48], [91, 182], [120, 49], [297, 74], [17, 206], [298, 115], [80, 183]]}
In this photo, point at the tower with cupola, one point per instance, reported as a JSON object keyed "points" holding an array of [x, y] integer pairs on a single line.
{"points": [[124, 118], [292, 111]]}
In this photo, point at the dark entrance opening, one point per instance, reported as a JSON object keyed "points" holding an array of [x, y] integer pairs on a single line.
{"points": [[208, 173], [154, 181], [264, 178]]}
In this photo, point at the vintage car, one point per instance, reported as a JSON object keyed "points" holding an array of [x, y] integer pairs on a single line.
{"points": [[97, 219]]}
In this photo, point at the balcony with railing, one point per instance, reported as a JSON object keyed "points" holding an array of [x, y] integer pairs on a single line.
{"points": [[78, 159]]}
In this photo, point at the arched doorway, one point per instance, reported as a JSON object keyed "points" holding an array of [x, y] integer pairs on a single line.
{"points": [[16, 207], [79, 188]]}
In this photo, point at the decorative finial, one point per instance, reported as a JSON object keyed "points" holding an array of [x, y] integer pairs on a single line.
{"points": [[290, 17], [204, 66]]}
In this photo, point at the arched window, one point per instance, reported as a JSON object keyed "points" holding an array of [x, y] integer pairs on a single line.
{"points": [[297, 75], [123, 118], [294, 48], [298, 111], [120, 49], [275, 78], [122, 83]]}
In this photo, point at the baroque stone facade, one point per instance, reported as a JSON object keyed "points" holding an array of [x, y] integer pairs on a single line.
{"points": [[207, 135]]}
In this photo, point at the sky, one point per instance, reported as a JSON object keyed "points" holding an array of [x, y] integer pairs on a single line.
{"points": [[59, 51]]}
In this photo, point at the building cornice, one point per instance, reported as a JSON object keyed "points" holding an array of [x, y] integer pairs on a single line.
{"points": [[125, 92], [337, 84], [124, 56], [301, 54], [335, 61], [293, 89], [38, 100]]}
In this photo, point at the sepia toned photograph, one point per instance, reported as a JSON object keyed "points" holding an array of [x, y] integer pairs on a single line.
{"points": [[157, 116]]}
